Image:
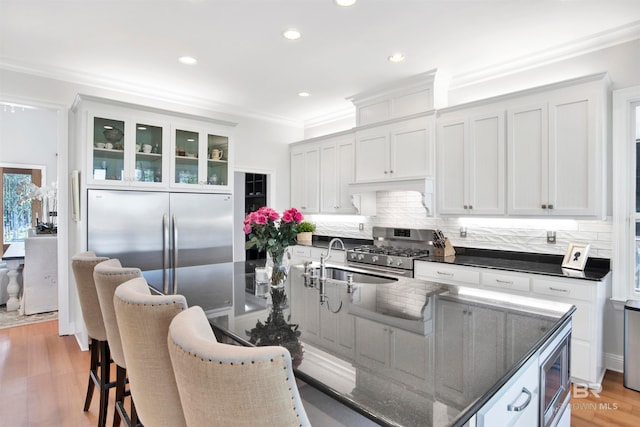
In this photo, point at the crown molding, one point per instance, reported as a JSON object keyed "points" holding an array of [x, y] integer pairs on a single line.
{"points": [[153, 93], [598, 41]]}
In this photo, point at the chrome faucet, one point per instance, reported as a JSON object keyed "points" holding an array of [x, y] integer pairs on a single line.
{"points": [[323, 268]]}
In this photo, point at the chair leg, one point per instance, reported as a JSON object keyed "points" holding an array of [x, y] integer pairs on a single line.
{"points": [[93, 364], [105, 364], [121, 381]]}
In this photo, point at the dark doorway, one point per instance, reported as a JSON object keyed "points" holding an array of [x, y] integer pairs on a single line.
{"points": [[255, 197]]}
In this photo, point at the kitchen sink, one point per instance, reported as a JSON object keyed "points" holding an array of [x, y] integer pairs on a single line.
{"points": [[358, 277]]}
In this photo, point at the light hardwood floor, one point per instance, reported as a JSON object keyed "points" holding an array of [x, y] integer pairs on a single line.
{"points": [[43, 380]]}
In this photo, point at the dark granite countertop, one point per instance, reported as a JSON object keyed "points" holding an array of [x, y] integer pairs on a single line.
{"points": [[550, 265], [383, 394]]}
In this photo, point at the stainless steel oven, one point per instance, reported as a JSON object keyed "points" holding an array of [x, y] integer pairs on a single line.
{"points": [[555, 384]]}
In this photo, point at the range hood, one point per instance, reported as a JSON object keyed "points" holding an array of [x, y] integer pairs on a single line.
{"points": [[363, 191]]}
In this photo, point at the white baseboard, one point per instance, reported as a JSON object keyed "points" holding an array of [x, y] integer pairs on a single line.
{"points": [[82, 341], [614, 362]]}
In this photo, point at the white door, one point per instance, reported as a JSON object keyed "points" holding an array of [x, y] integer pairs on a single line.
{"points": [[486, 165]]}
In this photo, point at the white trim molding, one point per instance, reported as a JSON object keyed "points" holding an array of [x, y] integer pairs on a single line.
{"points": [[624, 165]]}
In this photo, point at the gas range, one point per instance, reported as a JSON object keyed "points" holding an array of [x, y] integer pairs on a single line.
{"points": [[393, 250]]}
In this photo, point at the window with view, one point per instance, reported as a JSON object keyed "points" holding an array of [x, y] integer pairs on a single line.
{"points": [[19, 212]]}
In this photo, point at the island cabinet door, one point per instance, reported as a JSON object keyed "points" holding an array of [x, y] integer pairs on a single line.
{"points": [[337, 327], [515, 404], [372, 344], [469, 350]]}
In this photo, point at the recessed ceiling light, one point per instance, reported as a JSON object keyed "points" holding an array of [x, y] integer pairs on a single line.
{"points": [[304, 94], [396, 57], [345, 3], [188, 60], [292, 34], [142, 128]]}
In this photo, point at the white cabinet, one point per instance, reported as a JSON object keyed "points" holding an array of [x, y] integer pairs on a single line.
{"points": [[305, 178], [337, 330], [336, 173], [556, 152], [394, 352], [399, 150], [469, 358], [471, 163], [129, 146], [125, 151], [589, 297], [517, 403], [200, 156]]}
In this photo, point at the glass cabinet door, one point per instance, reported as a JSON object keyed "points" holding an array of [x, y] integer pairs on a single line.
{"points": [[217, 160], [108, 149], [186, 157], [149, 153]]}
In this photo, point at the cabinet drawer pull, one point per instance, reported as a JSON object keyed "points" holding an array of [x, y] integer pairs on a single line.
{"points": [[504, 282], [551, 288], [442, 273], [511, 407]]}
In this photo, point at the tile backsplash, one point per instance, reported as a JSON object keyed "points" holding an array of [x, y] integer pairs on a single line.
{"points": [[405, 209]]}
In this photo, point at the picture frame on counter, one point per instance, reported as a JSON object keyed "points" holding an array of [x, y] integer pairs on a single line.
{"points": [[576, 256]]}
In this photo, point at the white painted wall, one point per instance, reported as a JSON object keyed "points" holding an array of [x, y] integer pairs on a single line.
{"points": [[29, 136]]}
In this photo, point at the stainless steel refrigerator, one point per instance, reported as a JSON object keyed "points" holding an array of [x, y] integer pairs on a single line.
{"points": [[183, 242]]}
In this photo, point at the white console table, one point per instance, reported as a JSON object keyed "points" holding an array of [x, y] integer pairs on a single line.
{"points": [[14, 257]]}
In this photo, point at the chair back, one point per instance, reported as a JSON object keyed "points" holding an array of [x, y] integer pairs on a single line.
{"points": [[108, 275], [143, 320], [82, 265], [231, 384]]}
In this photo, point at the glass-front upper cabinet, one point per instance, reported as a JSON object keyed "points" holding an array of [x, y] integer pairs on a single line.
{"points": [[127, 152], [201, 158], [149, 159], [108, 142]]}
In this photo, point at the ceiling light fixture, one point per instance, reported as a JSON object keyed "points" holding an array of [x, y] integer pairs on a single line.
{"points": [[396, 57], [292, 34], [345, 3], [304, 94], [188, 60]]}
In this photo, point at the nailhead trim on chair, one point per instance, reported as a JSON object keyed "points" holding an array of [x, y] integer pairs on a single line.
{"points": [[220, 362]]}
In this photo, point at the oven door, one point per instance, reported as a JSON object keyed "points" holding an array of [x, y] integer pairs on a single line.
{"points": [[554, 379]]}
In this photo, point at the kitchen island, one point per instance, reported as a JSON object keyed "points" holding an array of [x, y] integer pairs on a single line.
{"points": [[406, 351]]}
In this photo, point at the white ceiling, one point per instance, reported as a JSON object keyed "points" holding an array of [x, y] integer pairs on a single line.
{"points": [[247, 66]]}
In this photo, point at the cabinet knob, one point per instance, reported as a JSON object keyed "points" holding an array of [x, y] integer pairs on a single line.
{"points": [[550, 206], [466, 207], [470, 206], [385, 172], [544, 206], [391, 171]]}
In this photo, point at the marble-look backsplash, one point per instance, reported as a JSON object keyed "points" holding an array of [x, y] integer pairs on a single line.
{"points": [[405, 209]]}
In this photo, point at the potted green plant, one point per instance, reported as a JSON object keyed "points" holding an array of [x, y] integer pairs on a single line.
{"points": [[305, 230]]}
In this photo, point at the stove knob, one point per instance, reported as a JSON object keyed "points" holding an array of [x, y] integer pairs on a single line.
{"points": [[360, 257], [353, 255], [399, 263], [374, 258], [389, 261]]}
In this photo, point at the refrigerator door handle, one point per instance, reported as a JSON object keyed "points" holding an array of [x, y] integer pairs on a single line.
{"points": [[165, 253], [175, 256]]}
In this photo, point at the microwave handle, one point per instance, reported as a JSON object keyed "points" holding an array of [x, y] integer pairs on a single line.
{"points": [[512, 408]]}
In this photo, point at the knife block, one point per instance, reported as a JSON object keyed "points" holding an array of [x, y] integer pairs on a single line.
{"points": [[446, 251]]}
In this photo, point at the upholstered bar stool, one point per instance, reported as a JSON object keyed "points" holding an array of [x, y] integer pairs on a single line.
{"points": [[82, 265], [143, 319], [233, 385], [108, 275]]}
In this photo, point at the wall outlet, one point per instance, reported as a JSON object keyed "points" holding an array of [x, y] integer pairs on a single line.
{"points": [[463, 231], [551, 236], [361, 226]]}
